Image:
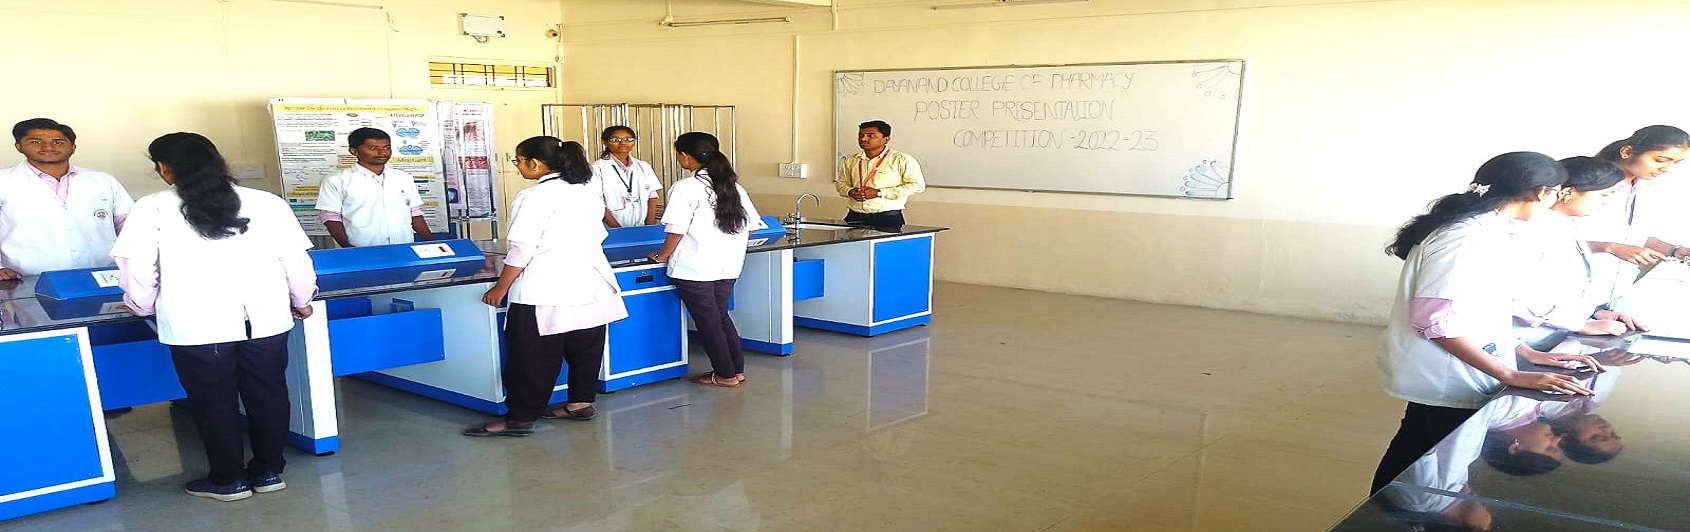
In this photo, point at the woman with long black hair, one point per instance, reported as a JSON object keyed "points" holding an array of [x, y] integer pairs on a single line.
{"points": [[563, 294], [225, 270], [708, 219], [1450, 343], [1632, 231]]}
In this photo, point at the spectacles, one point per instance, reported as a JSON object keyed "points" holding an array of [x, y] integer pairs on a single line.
{"points": [[619, 140], [516, 161]]}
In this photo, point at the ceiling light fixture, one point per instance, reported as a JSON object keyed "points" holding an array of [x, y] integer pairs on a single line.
{"points": [[1003, 3], [675, 24]]}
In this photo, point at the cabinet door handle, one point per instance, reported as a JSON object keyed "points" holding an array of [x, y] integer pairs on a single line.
{"points": [[645, 278]]}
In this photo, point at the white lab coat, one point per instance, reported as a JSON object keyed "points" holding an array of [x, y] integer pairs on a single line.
{"points": [[374, 213], [626, 192], [207, 289], [705, 252], [560, 225], [39, 233], [1561, 289], [1473, 263]]}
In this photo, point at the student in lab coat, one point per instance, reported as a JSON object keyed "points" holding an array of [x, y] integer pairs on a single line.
{"points": [[370, 204], [1449, 344], [224, 269], [55, 215], [1566, 296], [708, 219], [1633, 232], [562, 292], [629, 185]]}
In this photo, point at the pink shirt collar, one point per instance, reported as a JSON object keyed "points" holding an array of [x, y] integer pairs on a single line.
{"points": [[60, 185]]}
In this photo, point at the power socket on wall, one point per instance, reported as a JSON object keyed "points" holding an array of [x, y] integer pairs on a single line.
{"points": [[794, 170]]}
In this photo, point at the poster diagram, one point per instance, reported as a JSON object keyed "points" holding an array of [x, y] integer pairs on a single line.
{"points": [[311, 145], [467, 154]]}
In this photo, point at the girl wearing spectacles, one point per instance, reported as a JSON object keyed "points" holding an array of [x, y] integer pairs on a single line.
{"points": [[1565, 294], [629, 185], [562, 292]]}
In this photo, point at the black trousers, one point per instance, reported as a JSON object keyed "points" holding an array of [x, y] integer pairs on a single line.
{"points": [[707, 302], [887, 219], [1423, 426], [220, 379], [532, 363]]}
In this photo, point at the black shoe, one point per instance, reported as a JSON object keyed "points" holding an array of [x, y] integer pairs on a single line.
{"points": [[584, 413], [232, 491], [511, 429], [267, 482]]}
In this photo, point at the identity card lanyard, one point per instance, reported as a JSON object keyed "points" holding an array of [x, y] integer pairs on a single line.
{"points": [[869, 177], [628, 179]]}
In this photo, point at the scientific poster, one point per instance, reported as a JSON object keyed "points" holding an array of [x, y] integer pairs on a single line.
{"points": [[466, 131], [311, 145]]}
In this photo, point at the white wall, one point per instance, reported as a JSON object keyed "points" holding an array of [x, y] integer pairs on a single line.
{"points": [[1357, 113], [124, 72]]}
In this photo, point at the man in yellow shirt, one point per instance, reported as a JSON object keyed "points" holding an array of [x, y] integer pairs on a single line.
{"points": [[879, 180]]}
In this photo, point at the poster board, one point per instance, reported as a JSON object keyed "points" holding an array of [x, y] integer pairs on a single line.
{"points": [[311, 145], [1157, 129], [467, 156]]}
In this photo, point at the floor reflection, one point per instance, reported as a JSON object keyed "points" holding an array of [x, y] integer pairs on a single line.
{"points": [[1016, 411]]}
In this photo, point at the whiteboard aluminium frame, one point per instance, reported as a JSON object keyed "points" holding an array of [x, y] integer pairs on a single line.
{"points": [[1237, 117]]}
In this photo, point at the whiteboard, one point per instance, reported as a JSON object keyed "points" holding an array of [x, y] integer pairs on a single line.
{"points": [[1158, 129]]}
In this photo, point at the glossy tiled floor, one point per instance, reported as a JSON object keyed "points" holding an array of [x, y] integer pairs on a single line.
{"points": [[1015, 410]]}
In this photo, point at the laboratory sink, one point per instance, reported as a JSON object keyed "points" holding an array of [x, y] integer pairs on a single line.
{"points": [[816, 226]]}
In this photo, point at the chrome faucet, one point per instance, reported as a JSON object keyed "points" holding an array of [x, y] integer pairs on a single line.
{"points": [[797, 216]]}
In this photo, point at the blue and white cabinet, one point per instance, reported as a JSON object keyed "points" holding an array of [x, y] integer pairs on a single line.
{"points": [[54, 453], [870, 287], [650, 345]]}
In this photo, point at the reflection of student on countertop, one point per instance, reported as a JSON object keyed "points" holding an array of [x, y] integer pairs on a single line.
{"points": [[1508, 433], [878, 180], [370, 204]]}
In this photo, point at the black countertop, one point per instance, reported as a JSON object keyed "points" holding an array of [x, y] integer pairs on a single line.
{"points": [[1618, 460], [816, 232]]}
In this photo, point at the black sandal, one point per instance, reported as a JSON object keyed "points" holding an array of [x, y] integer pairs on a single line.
{"points": [[585, 413], [511, 429]]}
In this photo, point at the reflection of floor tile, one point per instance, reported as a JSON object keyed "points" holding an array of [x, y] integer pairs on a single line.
{"points": [[1014, 411]]}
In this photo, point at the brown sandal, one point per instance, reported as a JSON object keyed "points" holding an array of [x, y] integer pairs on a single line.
{"points": [[710, 379]]}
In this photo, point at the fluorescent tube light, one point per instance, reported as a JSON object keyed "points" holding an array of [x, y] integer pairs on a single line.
{"points": [[675, 24], [1002, 3]]}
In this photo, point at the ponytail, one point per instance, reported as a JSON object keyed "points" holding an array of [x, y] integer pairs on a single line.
{"points": [[209, 201], [568, 159], [1507, 178], [724, 183]]}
